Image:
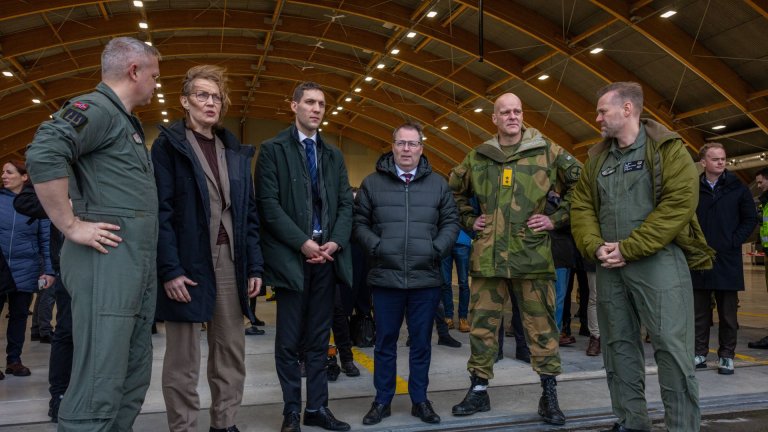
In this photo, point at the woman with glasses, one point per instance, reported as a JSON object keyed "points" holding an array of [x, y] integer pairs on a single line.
{"points": [[208, 259]]}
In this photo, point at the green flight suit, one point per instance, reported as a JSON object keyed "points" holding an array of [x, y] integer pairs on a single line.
{"points": [[653, 290], [101, 147]]}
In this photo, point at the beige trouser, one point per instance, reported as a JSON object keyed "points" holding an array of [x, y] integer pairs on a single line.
{"points": [[226, 357], [594, 328]]}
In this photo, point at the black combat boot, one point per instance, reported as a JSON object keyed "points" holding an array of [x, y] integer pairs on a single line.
{"points": [[474, 401], [549, 409]]}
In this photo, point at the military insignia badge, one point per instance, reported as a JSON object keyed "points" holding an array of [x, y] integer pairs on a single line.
{"points": [[80, 105], [76, 119], [506, 177], [137, 137], [607, 172]]}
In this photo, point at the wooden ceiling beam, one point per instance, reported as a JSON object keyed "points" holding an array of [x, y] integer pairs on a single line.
{"points": [[17, 9], [682, 47], [760, 6]]}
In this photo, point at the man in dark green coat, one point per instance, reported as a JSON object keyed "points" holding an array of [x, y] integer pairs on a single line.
{"points": [[108, 261], [305, 205]]}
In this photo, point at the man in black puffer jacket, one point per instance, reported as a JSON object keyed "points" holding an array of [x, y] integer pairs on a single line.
{"points": [[406, 221]]}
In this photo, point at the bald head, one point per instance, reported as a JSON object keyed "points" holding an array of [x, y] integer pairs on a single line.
{"points": [[508, 118]]}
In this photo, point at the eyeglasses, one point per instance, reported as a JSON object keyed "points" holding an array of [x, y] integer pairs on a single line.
{"points": [[410, 144], [203, 97]]}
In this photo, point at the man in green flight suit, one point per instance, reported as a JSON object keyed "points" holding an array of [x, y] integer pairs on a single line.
{"points": [[511, 175], [633, 212], [93, 152]]}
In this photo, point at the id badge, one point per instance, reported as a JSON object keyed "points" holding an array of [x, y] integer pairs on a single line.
{"points": [[506, 177]]}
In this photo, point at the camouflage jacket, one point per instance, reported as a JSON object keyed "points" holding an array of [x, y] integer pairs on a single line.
{"points": [[676, 191], [509, 189]]}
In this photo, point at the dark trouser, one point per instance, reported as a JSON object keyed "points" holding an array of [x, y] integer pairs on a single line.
{"points": [[60, 367], [42, 312], [341, 327], [304, 322], [460, 255], [581, 276], [727, 302], [390, 306], [18, 308]]}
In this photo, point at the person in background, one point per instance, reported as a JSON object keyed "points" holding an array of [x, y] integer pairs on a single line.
{"points": [[727, 216], [60, 364], [460, 256], [761, 180], [25, 244]]}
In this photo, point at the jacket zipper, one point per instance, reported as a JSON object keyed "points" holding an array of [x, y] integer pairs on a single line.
{"points": [[407, 230]]}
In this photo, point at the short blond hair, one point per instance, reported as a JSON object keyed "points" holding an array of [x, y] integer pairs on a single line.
{"points": [[706, 147], [217, 74]]}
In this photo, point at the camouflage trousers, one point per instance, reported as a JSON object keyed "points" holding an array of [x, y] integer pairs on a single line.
{"points": [[536, 298]]}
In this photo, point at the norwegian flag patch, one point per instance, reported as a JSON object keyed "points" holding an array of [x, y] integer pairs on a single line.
{"points": [[81, 105]]}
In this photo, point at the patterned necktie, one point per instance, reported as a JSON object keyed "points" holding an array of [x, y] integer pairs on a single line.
{"points": [[407, 178], [309, 147]]}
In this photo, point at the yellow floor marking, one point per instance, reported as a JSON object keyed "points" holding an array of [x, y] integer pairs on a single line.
{"points": [[361, 358]]}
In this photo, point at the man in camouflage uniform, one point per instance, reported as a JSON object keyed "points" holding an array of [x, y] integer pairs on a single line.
{"points": [[511, 175]]}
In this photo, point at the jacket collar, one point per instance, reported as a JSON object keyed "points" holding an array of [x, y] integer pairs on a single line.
{"points": [[655, 131], [531, 139], [386, 164], [176, 134]]}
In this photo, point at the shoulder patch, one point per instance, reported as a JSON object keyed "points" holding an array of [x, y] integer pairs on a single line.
{"points": [[81, 105], [74, 118]]}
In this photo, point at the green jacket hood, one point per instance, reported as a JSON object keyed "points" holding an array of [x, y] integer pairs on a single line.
{"points": [[531, 139]]}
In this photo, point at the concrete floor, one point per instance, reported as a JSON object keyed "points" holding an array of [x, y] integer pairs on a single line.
{"points": [[728, 402]]}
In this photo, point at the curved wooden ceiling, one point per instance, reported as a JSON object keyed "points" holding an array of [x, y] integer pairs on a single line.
{"points": [[702, 67]]}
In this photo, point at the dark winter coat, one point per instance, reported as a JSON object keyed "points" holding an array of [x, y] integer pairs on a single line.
{"points": [[184, 245], [27, 203], [727, 216], [405, 229], [25, 244], [284, 196]]}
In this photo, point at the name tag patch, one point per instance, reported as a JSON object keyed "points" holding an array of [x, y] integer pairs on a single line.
{"points": [[633, 165], [136, 138], [608, 171]]}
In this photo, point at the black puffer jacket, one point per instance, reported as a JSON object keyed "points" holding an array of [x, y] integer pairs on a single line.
{"points": [[405, 230]]}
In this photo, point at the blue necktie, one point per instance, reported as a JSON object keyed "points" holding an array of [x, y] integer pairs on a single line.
{"points": [[309, 146]]}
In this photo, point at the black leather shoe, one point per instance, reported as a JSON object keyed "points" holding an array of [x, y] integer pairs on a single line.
{"points": [[232, 428], [258, 322], [376, 413], [254, 331], [620, 428], [761, 344], [45, 339], [291, 422], [474, 401], [53, 410], [324, 418], [448, 341], [424, 411], [350, 369]]}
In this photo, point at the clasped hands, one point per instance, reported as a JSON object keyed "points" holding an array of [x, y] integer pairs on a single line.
{"points": [[317, 254], [610, 256]]}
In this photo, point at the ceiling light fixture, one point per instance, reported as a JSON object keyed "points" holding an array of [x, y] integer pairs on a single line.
{"points": [[368, 79], [542, 77], [143, 25], [164, 112], [8, 73], [161, 100], [148, 43], [36, 100], [596, 50], [138, 3], [668, 13], [349, 99], [443, 127], [411, 35], [395, 51], [165, 120], [478, 110], [358, 89], [325, 123], [160, 95], [718, 127], [320, 130], [431, 14], [380, 66], [340, 108], [335, 113], [158, 85]]}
